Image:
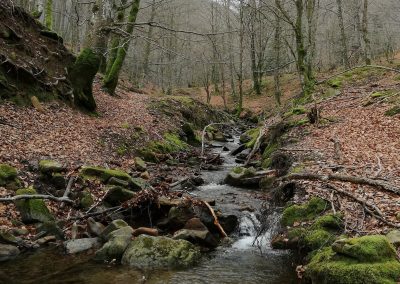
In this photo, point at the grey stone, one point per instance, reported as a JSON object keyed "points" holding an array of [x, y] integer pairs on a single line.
{"points": [[8, 252], [81, 245]]}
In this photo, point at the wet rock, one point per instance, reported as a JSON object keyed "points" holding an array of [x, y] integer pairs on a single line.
{"points": [[45, 240], [95, 228], [177, 217], [225, 149], [160, 252], [8, 252], [228, 222], [140, 165], [238, 150], [81, 245], [50, 166], [113, 226], [117, 195], [197, 180], [114, 248], [32, 210], [244, 154], [201, 237], [195, 224], [219, 136], [394, 238]]}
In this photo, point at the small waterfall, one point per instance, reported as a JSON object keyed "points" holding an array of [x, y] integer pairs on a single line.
{"points": [[253, 233]]}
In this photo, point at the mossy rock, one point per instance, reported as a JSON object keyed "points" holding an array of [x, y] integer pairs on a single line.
{"points": [[306, 212], [140, 165], [113, 226], [366, 249], [190, 133], [317, 239], [160, 252], [103, 174], [332, 222], [9, 177], [117, 242], [32, 210], [328, 267], [240, 176], [148, 155], [253, 135], [58, 180], [394, 237], [117, 195], [81, 75], [86, 199], [50, 166]]}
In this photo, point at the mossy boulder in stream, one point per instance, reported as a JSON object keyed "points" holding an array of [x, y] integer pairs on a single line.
{"points": [[8, 177], [305, 212], [81, 75], [160, 252], [242, 177], [32, 210], [369, 259], [114, 248]]}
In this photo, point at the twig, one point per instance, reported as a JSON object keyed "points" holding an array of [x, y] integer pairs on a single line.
{"points": [[68, 189], [116, 208], [174, 184], [256, 146], [377, 174]]}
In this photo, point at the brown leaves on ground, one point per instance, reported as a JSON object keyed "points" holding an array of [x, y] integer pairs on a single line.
{"points": [[369, 147]]}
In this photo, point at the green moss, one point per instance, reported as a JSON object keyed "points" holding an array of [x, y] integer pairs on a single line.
{"points": [[171, 143], [81, 75], [299, 122], [253, 134], [125, 125], [316, 239], [393, 111], [32, 210], [335, 83], [86, 200], [148, 155], [306, 212], [122, 150], [89, 172], [329, 222], [328, 267], [7, 174], [297, 169], [50, 166], [366, 249], [299, 110]]}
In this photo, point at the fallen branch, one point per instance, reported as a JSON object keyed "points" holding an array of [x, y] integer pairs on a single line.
{"points": [[352, 179], [145, 231], [216, 223], [174, 184], [36, 196], [369, 208], [256, 146], [116, 208], [68, 189]]}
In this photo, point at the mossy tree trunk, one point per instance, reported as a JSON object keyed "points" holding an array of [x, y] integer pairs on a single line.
{"points": [[81, 75], [48, 16], [111, 79]]}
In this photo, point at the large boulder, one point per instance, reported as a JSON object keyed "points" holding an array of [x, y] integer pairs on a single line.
{"points": [[8, 177], [369, 259], [394, 238], [177, 217], [114, 248], [8, 252], [306, 212], [160, 252], [81, 245], [201, 237], [32, 210]]}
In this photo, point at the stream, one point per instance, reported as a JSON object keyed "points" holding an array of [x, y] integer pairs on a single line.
{"points": [[240, 262]]}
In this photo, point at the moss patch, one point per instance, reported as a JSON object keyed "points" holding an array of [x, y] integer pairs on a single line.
{"points": [[33, 210], [393, 111], [103, 174], [329, 267], [306, 212], [171, 143]]}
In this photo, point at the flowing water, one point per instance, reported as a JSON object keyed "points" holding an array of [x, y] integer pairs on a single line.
{"points": [[247, 260]]}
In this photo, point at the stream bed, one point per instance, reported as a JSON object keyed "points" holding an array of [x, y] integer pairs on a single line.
{"points": [[240, 262]]}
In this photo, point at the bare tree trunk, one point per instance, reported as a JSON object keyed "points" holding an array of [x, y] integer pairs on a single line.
{"points": [[277, 51], [365, 35], [343, 38], [147, 49]]}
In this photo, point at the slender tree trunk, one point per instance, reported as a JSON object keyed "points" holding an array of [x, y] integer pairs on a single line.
{"points": [[365, 35], [147, 48], [343, 38], [277, 51], [111, 79], [48, 15], [241, 52]]}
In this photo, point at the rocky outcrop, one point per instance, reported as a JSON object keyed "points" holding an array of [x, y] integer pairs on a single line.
{"points": [[160, 252]]}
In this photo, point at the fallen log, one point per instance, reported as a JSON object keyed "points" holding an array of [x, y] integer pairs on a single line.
{"points": [[145, 231], [344, 178]]}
